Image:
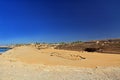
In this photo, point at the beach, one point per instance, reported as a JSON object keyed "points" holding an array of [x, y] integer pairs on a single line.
{"points": [[27, 62]]}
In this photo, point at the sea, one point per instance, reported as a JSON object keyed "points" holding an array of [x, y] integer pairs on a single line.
{"points": [[2, 50]]}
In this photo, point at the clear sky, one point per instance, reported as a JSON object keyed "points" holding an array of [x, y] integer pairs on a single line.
{"points": [[24, 21]]}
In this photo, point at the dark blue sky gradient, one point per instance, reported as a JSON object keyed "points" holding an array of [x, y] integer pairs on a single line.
{"points": [[24, 21]]}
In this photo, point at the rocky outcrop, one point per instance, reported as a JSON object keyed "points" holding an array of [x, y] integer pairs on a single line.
{"points": [[105, 46]]}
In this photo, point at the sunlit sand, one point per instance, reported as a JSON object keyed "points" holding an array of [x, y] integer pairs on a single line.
{"points": [[51, 63], [31, 55]]}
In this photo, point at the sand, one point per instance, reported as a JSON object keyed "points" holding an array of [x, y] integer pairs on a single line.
{"points": [[31, 55], [29, 63]]}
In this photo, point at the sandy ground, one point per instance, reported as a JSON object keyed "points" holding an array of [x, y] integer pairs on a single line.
{"points": [[28, 63], [32, 55]]}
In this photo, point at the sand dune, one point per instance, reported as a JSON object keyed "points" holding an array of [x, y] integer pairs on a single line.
{"points": [[31, 55], [29, 63]]}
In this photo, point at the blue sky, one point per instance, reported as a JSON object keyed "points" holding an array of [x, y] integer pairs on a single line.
{"points": [[24, 21]]}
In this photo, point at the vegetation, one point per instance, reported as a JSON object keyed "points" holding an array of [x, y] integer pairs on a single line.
{"points": [[76, 42], [62, 43]]}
